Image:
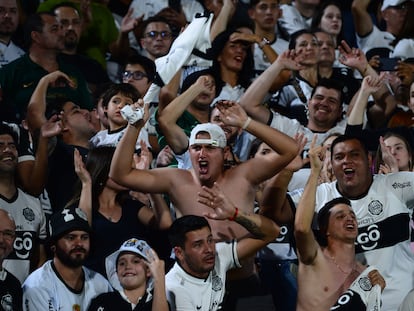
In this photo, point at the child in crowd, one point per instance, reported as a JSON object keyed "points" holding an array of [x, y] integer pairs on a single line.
{"points": [[137, 275], [113, 100]]}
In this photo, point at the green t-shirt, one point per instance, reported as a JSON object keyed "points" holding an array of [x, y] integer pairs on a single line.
{"points": [[19, 79], [186, 121], [101, 32]]}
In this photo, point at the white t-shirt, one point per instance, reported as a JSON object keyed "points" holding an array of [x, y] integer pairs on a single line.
{"points": [[261, 63], [106, 138], [30, 228], [291, 127], [9, 52], [404, 49], [291, 20], [44, 290], [375, 39], [185, 292], [384, 230]]}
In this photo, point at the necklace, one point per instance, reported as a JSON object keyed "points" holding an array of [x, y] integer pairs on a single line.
{"points": [[339, 267]]}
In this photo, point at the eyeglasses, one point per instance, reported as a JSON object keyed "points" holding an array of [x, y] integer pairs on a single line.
{"points": [[136, 75], [8, 234], [154, 34]]}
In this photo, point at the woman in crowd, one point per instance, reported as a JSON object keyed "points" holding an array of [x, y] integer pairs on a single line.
{"points": [[113, 213]]}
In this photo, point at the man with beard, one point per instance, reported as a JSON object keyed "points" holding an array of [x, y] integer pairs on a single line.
{"points": [[63, 283], [19, 79], [71, 22], [9, 19]]}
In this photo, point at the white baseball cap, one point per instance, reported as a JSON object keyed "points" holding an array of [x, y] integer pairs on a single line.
{"points": [[388, 3], [217, 136], [133, 245]]}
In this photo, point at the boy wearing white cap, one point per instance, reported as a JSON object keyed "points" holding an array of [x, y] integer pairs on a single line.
{"points": [[138, 277]]}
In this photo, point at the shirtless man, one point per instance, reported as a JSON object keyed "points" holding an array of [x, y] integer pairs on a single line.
{"points": [[207, 149], [333, 258]]}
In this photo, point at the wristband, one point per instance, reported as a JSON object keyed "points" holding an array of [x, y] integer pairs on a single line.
{"points": [[264, 42], [246, 123], [236, 212]]}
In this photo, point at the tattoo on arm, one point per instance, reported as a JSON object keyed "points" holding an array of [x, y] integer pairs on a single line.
{"points": [[251, 226]]}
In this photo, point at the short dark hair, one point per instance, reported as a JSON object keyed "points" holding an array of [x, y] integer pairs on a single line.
{"points": [[329, 84], [323, 218], [6, 129], [145, 62], [34, 23], [343, 138], [180, 227], [154, 19], [125, 89]]}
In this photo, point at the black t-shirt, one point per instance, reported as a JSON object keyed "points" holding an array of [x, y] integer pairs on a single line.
{"points": [[11, 295]]}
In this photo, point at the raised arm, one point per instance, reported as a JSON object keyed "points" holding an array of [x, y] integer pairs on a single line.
{"points": [[167, 118], [122, 171], [120, 47], [254, 95], [274, 203], [85, 199], [369, 85], [258, 170], [362, 20], [37, 106], [222, 19], [157, 268], [306, 243], [263, 230]]}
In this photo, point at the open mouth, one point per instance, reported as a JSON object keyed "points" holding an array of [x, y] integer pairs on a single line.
{"points": [[203, 167], [350, 226]]}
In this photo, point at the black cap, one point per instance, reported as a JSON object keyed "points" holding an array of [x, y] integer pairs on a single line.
{"points": [[69, 219]]}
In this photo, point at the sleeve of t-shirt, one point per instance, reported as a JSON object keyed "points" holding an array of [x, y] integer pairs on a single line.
{"points": [[37, 299]]}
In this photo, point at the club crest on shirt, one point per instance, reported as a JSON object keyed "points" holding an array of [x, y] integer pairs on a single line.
{"points": [[365, 284], [217, 283], [7, 302], [375, 207], [28, 214]]}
